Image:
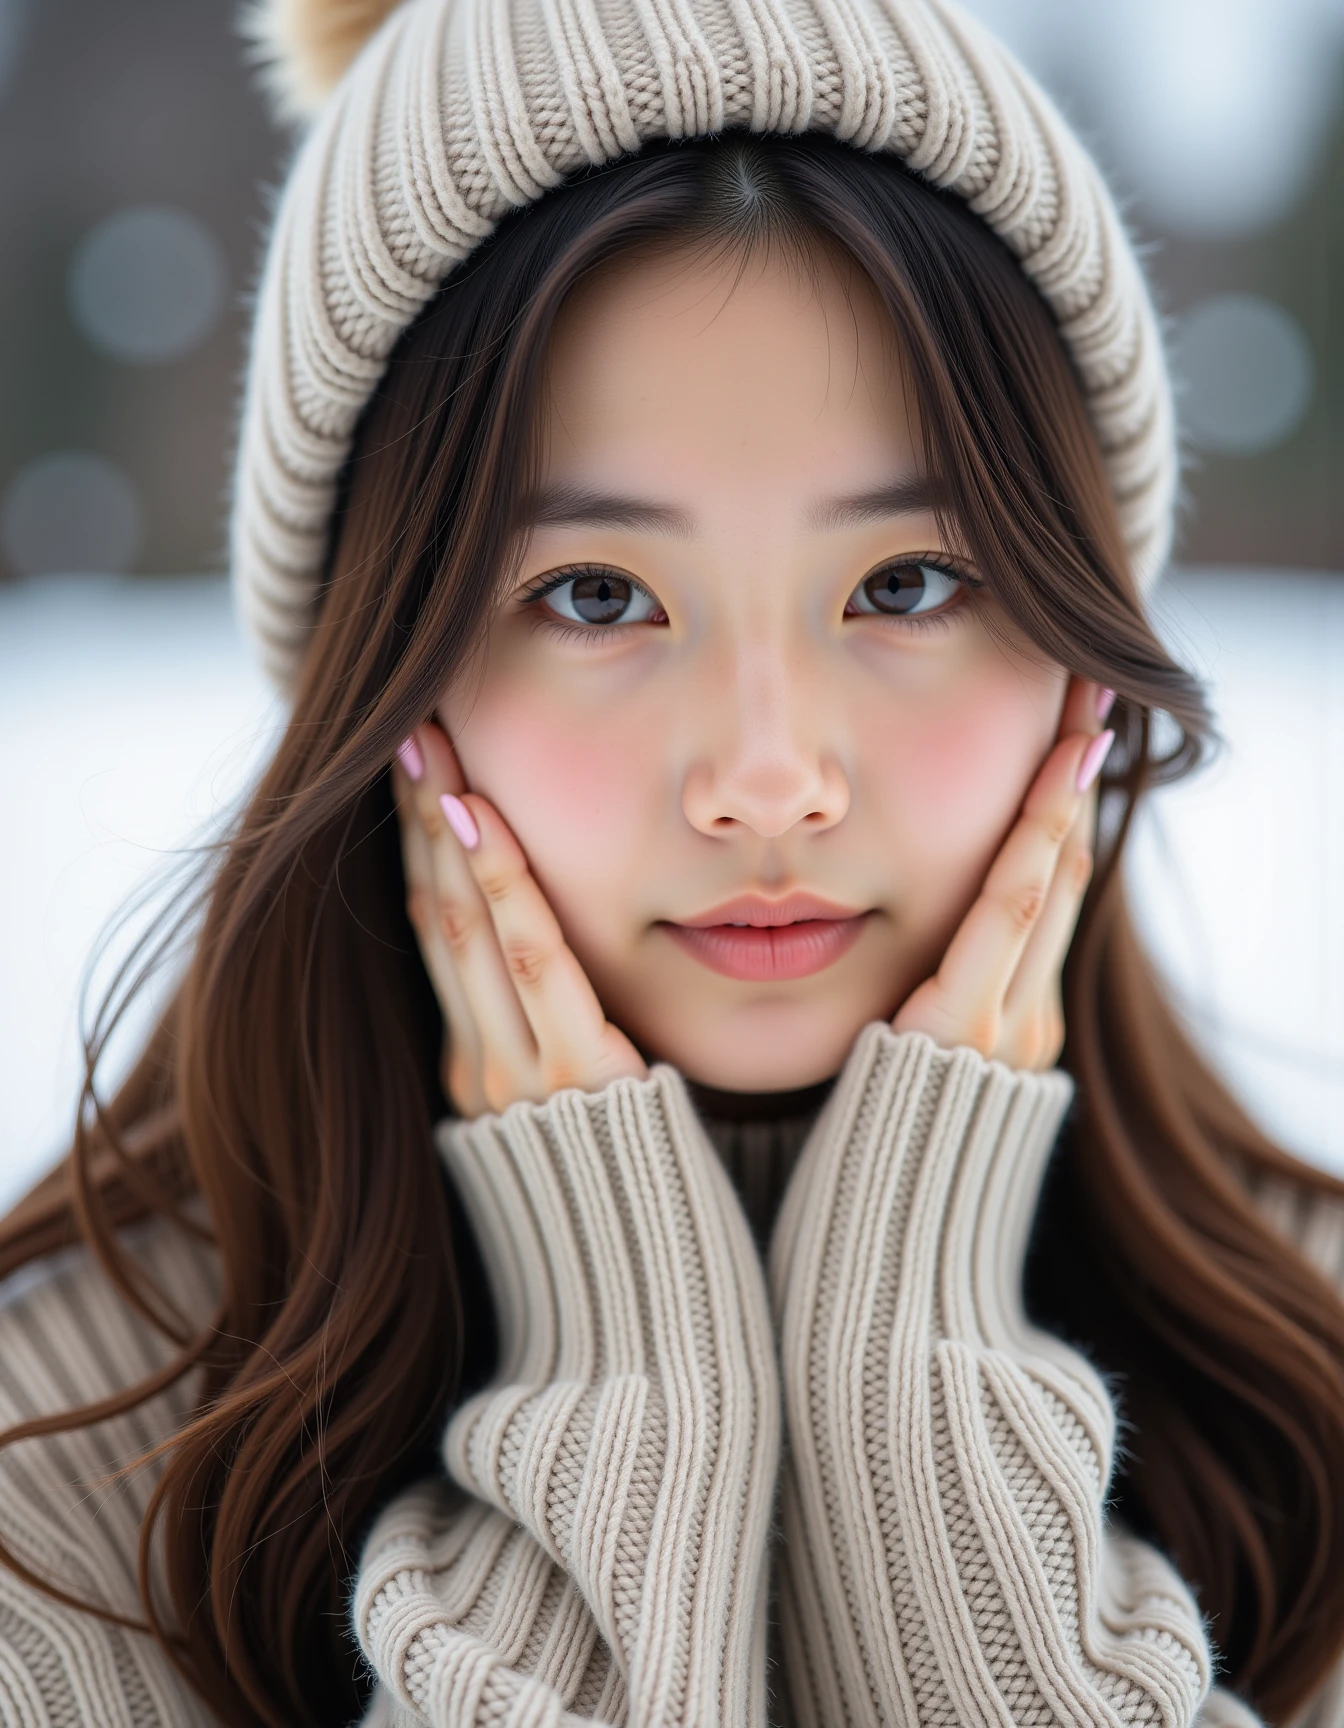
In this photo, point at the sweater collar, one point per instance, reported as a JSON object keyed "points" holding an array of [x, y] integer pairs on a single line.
{"points": [[759, 1137]]}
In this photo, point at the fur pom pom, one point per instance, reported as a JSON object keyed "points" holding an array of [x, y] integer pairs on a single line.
{"points": [[303, 47]]}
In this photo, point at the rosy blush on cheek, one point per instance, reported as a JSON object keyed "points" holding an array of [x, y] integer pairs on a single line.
{"points": [[517, 747], [957, 776], [570, 789], [555, 776]]}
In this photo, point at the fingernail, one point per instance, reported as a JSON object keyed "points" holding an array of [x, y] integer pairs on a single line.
{"points": [[1104, 699], [460, 821], [408, 753], [1090, 766]]}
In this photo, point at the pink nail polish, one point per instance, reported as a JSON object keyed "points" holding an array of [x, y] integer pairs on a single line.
{"points": [[408, 753], [1104, 699], [1090, 766], [460, 820]]}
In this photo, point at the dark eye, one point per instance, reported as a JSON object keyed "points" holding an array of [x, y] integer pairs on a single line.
{"points": [[901, 589], [599, 597]]}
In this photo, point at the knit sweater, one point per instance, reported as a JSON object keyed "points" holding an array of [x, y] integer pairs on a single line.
{"points": [[872, 1455]]}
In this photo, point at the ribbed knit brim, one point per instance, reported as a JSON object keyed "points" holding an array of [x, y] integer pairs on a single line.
{"points": [[457, 111]]}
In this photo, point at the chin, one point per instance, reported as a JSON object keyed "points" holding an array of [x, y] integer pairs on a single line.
{"points": [[773, 1048]]}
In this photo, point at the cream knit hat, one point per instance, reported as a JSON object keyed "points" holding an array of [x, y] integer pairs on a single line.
{"points": [[433, 118]]}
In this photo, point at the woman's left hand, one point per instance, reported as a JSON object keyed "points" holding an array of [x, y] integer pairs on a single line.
{"points": [[998, 988]]}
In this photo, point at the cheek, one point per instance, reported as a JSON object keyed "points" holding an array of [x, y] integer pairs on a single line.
{"points": [[955, 780], [569, 788]]}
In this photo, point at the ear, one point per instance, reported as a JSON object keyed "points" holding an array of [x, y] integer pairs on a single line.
{"points": [[303, 46]]}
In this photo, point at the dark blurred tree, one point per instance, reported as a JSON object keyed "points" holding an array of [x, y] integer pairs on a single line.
{"points": [[105, 106], [1282, 506]]}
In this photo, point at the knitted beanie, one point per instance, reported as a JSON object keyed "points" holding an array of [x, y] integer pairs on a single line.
{"points": [[431, 119]]}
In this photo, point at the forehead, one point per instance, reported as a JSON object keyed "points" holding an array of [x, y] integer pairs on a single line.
{"points": [[766, 356]]}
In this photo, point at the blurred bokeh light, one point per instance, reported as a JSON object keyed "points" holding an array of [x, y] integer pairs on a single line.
{"points": [[1213, 113], [147, 284], [70, 512], [1246, 373], [13, 17]]}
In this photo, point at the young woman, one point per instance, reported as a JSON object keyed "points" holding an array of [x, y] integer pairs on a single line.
{"points": [[664, 1043]]}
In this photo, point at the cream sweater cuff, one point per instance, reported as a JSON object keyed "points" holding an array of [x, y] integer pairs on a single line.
{"points": [[632, 1426], [946, 1463]]}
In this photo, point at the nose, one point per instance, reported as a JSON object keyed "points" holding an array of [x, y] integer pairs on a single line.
{"points": [[765, 761]]}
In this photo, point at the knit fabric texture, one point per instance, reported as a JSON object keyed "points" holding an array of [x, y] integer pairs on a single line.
{"points": [[629, 1444], [944, 1555], [458, 111], [964, 1573], [595, 1549], [67, 1338]]}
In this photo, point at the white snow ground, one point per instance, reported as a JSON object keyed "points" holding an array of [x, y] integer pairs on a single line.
{"points": [[130, 715]]}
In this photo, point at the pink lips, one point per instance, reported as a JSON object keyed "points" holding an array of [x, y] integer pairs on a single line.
{"points": [[794, 951], [760, 940]]}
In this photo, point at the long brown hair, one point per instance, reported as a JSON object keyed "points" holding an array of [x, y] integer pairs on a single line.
{"points": [[294, 1080]]}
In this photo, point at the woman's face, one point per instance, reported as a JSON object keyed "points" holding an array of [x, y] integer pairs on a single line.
{"points": [[750, 678]]}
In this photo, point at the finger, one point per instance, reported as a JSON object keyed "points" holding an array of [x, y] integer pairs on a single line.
{"points": [[463, 1066], [576, 1046], [1078, 712], [985, 951], [421, 906], [1033, 992], [1033, 1012], [507, 1047]]}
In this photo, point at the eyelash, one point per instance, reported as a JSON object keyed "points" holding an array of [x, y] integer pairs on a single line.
{"points": [[603, 632], [562, 627]]}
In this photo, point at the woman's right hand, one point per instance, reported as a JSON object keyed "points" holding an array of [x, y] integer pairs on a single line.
{"points": [[521, 1019]]}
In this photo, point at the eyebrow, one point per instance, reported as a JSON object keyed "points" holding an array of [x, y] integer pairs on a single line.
{"points": [[572, 506], [905, 497], [568, 506]]}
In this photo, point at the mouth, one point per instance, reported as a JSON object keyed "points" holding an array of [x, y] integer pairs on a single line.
{"points": [[763, 941]]}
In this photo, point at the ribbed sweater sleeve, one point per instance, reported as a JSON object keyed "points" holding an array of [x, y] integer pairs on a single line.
{"points": [[66, 1338], [946, 1555], [603, 1556]]}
